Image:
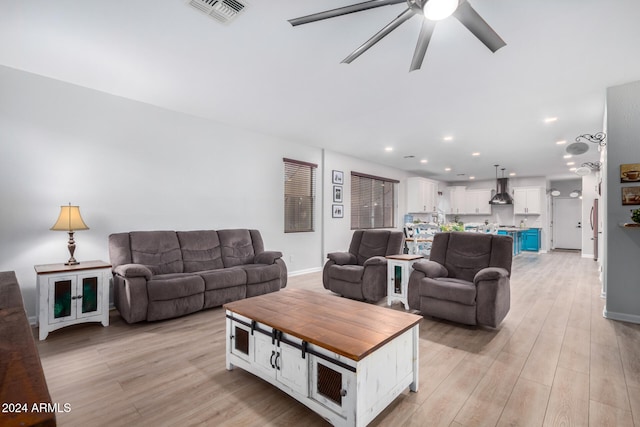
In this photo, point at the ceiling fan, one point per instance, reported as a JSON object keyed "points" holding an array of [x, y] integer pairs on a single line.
{"points": [[430, 10]]}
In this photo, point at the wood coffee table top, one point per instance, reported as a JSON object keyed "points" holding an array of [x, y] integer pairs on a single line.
{"points": [[350, 328]]}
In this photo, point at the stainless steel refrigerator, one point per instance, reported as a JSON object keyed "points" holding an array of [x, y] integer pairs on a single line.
{"points": [[594, 227]]}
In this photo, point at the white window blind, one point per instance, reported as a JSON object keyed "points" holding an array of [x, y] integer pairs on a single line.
{"points": [[372, 201], [299, 195]]}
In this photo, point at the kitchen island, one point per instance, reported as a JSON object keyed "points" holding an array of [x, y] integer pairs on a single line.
{"points": [[524, 239]]}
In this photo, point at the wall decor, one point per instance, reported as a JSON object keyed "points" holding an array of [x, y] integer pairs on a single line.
{"points": [[337, 193], [631, 195], [337, 177], [630, 172], [337, 211]]}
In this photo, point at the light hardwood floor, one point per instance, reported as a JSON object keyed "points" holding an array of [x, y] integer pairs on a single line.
{"points": [[554, 361]]}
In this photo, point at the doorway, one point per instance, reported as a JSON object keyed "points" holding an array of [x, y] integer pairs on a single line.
{"points": [[567, 223]]}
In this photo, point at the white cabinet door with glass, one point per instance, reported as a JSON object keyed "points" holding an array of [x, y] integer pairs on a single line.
{"points": [[68, 295], [526, 200]]}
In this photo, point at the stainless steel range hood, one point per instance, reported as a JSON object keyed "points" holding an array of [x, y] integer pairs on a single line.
{"points": [[502, 196]]}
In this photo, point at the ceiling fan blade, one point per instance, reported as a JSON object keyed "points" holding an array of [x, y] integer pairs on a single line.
{"points": [[400, 19], [343, 11], [468, 16], [423, 42]]}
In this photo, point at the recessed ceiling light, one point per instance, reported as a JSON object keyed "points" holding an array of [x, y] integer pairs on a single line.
{"points": [[448, 138], [472, 177], [447, 169], [567, 156], [512, 174], [573, 169], [423, 161], [475, 154], [571, 163], [563, 141], [388, 149], [550, 119]]}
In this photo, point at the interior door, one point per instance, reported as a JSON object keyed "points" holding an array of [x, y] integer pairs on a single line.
{"points": [[567, 226]]}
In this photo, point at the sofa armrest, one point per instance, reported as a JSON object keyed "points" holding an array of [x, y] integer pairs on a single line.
{"points": [[490, 273], [133, 270], [267, 257], [343, 258], [431, 269], [375, 260]]}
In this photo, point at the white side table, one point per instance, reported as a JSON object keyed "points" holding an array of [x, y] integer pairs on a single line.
{"points": [[72, 294], [398, 272]]}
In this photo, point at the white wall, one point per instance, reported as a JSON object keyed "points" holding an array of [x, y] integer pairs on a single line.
{"points": [[133, 166], [622, 269], [338, 230]]}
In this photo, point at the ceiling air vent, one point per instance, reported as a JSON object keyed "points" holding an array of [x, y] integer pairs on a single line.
{"points": [[220, 10]]}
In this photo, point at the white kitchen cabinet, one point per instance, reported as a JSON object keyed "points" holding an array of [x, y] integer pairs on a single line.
{"points": [[421, 195], [477, 202], [457, 204], [526, 200]]}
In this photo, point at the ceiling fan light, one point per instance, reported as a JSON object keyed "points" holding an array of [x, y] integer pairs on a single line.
{"points": [[436, 10]]}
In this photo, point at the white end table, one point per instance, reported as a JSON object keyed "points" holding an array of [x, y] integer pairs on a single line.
{"points": [[72, 294], [398, 272]]}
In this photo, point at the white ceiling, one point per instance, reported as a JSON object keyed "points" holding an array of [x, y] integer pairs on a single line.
{"points": [[259, 72]]}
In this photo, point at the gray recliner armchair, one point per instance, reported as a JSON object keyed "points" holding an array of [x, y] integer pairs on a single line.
{"points": [[466, 280], [361, 273]]}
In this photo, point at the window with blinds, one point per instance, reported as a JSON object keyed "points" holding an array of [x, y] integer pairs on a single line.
{"points": [[372, 201], [299, 195]]}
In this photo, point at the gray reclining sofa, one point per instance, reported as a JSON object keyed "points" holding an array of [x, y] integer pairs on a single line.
{"points": [[163, 274]]}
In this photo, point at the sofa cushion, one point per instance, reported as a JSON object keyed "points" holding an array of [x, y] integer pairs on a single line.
{"points": [[258, 273], [200, 250], [158, 250], [346, 273], [169, 286], [223, 278], [449, 289], [237, 247]]}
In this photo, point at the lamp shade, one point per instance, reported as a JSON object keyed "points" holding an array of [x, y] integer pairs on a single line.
{"points": [[69, 219]]}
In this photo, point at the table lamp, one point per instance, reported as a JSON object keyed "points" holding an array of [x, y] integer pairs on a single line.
{"points": [[70, 221]]}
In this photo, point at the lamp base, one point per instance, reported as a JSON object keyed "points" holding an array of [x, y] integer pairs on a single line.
{"points": [[72, 248]]}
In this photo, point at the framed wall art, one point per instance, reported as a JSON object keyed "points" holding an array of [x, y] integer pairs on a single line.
{"points": [[337, 194], [630, 172], [337, 211], [631, 195], [337, 177]]}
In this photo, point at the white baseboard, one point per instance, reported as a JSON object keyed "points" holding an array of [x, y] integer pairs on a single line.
{"points": [[587, 255], [631, 318], [33, 320], [306, 271]]}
